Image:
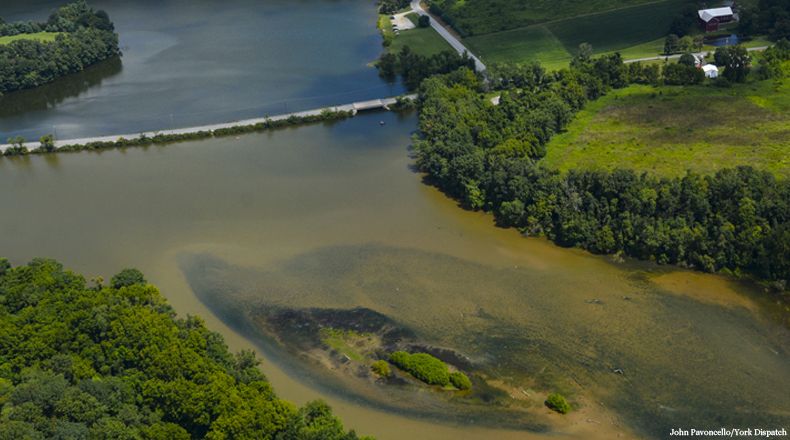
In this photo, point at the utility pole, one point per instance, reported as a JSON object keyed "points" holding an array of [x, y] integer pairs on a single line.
{"points": [[172, 124], [56, 132], [286, 107]]}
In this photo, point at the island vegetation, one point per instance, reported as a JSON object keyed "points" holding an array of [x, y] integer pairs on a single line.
{"points": [[113, 362], [558, 403], [72, 38], [429, 370]]}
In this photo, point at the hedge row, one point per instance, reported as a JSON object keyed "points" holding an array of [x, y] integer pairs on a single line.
{"points": [[437, 10], [162, 138]]}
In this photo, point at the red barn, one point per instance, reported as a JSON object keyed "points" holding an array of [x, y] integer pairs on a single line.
{"points": [[709, 19]]}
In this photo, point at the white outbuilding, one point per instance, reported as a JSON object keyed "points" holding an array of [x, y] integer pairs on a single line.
{"points": [[711, 71]]}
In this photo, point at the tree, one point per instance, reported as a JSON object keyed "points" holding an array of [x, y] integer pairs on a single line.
{"points": [[687, 59], [127, 278], [424, 21], [47, 143], [685, 44], [583, 55], [460, 381], [381, 368], [558, 403], [671, 44], [736, 62], [386, 64]]}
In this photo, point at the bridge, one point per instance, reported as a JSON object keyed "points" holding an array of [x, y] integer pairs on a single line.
{"points": [[353, 107]]}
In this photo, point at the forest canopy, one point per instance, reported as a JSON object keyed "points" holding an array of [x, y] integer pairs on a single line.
{"points": [[113, 363], [84, 37], [736, 221]]}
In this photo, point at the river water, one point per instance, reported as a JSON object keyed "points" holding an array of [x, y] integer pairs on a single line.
{"points": [[333, 215], [204, 62]]}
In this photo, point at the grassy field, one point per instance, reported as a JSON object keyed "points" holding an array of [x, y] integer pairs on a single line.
{"points": [[554, 44], [675, 129], [532, 43], [423, 41], [43, 36], [480, 17]]}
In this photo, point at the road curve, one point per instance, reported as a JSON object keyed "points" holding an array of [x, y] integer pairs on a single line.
{"points": [[415, 5]]}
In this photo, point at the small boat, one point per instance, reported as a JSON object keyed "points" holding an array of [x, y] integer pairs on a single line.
{"points": [[382, 122]]}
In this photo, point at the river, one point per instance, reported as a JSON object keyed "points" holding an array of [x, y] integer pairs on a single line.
{"points": [[333, 215], [203, 62]]}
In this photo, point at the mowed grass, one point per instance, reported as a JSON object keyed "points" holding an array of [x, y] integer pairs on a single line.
{"points": [[522, 45], [700, 128], [422, 41], [619, 29], [481, 17], [43, 36], [638, 30]]}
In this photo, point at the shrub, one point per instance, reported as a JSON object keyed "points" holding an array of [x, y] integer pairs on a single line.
{"points": [[558, 403], [381, 368], [460, 381], [127, 278], [422, 366]]}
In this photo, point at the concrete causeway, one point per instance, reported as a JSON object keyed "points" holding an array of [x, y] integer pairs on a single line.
{"points": [[353, 107]]}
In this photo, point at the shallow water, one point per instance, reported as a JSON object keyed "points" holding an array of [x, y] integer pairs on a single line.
{"points": [[333, 215]]}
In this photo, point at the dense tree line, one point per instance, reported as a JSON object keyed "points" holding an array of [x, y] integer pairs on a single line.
{"points": [[769, 17], [85, 37], [415, 68], [736, 221], [113, 363], [392, 6]]}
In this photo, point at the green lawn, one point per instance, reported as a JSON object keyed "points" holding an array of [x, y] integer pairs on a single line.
{"points": [[617, 30], [532, 43], [481, 17], [43, 36], [554, 44], [423, 41], [702, 128]]}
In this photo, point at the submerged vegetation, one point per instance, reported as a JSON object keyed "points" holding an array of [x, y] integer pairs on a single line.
{"points": [[114, 363], [75, 37]]}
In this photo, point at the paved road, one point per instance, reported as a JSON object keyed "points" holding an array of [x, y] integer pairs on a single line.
{"points": [[678, 55], [415, 5], [113, 138]]}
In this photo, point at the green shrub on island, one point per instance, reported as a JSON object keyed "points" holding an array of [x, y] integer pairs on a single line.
{"points": [[381, 368], [422, 366], [460, 381], [108, 363], [558, 403]]}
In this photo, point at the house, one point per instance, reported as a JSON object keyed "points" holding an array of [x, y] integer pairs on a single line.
{"points": [[711, 71], [731, 5], [709, 19]]}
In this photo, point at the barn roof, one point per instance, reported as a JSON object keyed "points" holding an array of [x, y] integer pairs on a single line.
{"points": [[708, 14]]}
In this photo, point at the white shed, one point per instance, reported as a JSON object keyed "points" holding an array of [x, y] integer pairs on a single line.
{"points": [[711, 71]]}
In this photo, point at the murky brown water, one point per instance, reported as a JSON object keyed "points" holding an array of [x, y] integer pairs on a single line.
{"points": [[334, 216]]}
